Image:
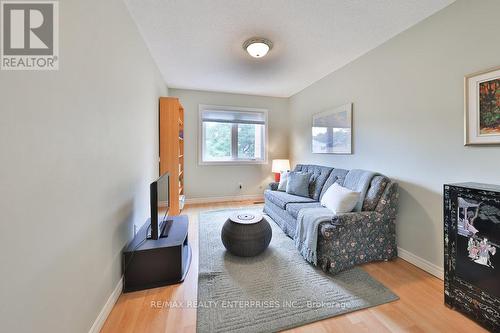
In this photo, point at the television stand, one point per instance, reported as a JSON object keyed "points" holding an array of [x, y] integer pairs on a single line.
{"points": [[151, 263], [164, 228]]}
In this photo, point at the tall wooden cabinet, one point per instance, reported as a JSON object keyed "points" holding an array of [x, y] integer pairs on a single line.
{"points": [[172, 149]]}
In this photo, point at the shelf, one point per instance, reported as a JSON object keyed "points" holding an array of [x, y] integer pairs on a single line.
{"points": [[172, 146]]}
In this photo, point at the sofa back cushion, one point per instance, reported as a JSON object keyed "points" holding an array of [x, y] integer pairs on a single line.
{"points": [[336, 176], [373, 195], [319, 175], [319, 183], [375, 191]]}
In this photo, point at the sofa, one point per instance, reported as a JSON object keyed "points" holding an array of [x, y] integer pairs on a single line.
{"points": [[349, 239]]}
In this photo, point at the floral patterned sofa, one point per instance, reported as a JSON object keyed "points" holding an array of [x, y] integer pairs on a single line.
{"points": [[349, 239]]}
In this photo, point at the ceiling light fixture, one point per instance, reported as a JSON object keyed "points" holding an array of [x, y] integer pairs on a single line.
{"points": [[257, 47]]}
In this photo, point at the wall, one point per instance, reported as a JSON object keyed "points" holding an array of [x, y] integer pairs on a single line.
{"points": [[408, 115], [205, 181], [79, 148]]}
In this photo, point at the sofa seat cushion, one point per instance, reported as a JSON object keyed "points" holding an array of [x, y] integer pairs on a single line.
{"points": [[293, 208], [281, 199]]}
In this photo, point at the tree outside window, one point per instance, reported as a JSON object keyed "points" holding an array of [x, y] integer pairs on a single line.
{"points": [[232, 136]]}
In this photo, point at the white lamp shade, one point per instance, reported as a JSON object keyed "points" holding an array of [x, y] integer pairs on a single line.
{"points": [[258, 50], [280, 165]]}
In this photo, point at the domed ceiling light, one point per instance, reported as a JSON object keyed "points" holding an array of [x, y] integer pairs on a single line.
{"points": [[257, 47]]}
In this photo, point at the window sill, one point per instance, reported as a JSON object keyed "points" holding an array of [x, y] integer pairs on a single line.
{"points": [[243, 162]]}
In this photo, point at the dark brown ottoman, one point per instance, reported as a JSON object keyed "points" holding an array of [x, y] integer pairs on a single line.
{"points": [[246, 234]]}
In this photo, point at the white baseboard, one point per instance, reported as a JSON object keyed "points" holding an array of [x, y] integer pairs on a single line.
{"points": [[421, 263], [106, 310], [190, 201]]}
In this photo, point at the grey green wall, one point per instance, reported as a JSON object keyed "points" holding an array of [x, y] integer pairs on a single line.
{"points": [[408, 115], [205, 181], [79, 147]]}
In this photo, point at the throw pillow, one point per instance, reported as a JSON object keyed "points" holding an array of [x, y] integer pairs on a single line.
{"points": [[340, 199], [283, 181], [298, 184]]}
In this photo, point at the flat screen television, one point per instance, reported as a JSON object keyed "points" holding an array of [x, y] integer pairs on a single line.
{"points": [[159, 207]]}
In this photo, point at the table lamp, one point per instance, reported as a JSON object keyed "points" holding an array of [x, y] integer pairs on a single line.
{"points": [[278, 167]]}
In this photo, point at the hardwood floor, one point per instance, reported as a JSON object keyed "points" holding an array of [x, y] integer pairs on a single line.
{"points": [[420, 308]]}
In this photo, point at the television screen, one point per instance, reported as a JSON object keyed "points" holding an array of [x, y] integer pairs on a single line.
{"points": [[159, 204]]}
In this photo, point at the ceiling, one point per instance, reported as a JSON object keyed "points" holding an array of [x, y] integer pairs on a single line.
{"points": [[197, 44]]}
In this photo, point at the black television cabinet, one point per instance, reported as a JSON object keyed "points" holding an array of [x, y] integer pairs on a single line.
{"points": [[149, 263]]}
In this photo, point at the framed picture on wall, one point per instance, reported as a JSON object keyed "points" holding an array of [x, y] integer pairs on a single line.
{"points": [[332, 131], [482, 108]]}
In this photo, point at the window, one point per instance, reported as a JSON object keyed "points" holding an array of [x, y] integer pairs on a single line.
{"points": [[232, 135]]}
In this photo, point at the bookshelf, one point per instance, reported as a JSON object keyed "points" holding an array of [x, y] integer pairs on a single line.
{"points": [[172, 149]]}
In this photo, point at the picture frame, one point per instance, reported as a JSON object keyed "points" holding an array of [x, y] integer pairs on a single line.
{"points": [[482, 108], [332, 131]]}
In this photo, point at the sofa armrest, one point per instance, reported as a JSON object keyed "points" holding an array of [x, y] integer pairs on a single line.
{"points": [[350, 220], [273, 186]]}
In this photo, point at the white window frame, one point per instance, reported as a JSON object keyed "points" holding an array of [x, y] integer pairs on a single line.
{"points": [[203, 107]]}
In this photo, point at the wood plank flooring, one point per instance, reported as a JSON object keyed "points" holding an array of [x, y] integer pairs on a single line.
{"points": [[420, 308]]}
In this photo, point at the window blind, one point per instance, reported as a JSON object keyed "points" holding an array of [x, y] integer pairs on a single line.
{"points": [[233, 117]]}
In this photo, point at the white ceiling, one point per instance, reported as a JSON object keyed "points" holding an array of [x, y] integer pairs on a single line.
{"points": [[197, 44]]}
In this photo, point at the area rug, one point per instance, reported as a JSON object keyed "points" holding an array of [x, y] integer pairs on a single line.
{"points": [[274, 291]]}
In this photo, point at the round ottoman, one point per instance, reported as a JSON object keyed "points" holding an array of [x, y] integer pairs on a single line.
{"points": [[246, 234]]}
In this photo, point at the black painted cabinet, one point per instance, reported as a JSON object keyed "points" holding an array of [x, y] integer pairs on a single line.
{"points": [[151, 263], [472, 251]]}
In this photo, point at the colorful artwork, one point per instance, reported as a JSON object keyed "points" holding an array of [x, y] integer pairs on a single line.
{"points": [[489, 107], [482, 108]]}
